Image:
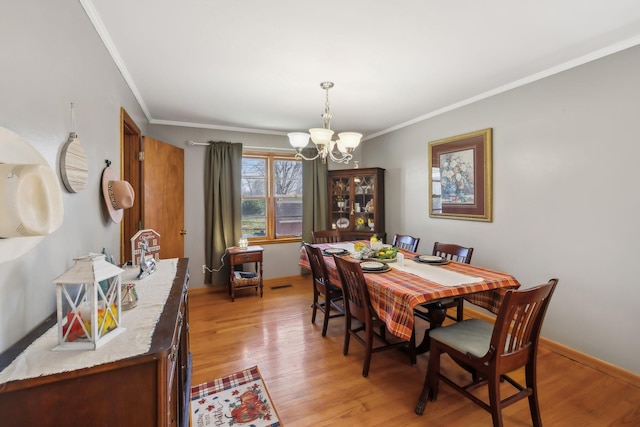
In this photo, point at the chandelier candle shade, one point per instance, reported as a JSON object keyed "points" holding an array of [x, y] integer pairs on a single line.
{"points": [[321, 137]]}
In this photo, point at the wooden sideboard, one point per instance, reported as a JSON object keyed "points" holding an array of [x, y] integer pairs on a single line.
{"points": [[150, 389]]}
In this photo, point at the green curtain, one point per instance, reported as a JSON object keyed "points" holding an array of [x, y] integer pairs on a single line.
{"points": [[315, 211], [223, 214]]}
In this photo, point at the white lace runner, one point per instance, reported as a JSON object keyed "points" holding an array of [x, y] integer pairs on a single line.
{"points": [[436, 274]]}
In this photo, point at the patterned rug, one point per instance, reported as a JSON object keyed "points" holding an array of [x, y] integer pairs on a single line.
{"points": [[239, 399]]}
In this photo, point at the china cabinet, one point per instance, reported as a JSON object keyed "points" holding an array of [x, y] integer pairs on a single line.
{"points": [[356, 202]]}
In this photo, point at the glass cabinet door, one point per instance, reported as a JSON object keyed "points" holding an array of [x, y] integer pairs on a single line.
{"points": [[340, 201], [363, 209]]}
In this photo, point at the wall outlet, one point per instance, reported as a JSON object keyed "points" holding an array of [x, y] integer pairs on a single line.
{"points": [[204, 269]]}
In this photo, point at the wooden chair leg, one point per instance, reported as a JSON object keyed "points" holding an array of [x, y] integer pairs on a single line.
{"points": [[494, 401], [327, 315], [347, 333], [314, 306], [534, 407], [368, 349]]}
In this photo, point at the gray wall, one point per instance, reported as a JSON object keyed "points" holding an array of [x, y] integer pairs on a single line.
{"points": [[51, 57], [566, 205]]}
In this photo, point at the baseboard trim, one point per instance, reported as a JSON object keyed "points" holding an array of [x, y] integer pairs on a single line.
{"points": [[207, 289], [614, 371]]}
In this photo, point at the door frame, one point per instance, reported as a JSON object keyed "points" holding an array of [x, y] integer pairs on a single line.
{"points": [[131, 144]]}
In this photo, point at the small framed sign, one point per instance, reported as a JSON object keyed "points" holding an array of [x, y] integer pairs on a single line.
{"points": [[153, 245]]}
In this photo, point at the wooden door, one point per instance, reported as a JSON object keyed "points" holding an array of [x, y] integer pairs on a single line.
{"points": [[163, 167]]}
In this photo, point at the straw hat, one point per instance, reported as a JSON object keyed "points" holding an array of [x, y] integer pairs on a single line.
{"points": [[118, 195], [30, 197], [32, 202]]}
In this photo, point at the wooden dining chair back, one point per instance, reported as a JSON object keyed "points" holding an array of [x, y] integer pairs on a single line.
{"points": [[489, 300], [457, 253], [406, 242], [492, 351], [327, 297], [325, 236], [358, 306], [453, 252]]}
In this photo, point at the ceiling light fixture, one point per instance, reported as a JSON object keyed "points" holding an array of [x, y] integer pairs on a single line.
{"points": [[321, 137]]}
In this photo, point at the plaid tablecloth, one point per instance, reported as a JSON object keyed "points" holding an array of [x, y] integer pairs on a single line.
{"points": [[395, 294]]}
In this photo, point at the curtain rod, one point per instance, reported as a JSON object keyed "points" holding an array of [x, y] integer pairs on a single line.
{"points": [[247, 147]]}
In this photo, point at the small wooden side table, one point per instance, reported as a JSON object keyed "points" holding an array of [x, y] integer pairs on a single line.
{"points": [[241, 256]]}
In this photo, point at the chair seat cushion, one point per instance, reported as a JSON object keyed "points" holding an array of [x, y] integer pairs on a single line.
{"points": [[471, 336]]}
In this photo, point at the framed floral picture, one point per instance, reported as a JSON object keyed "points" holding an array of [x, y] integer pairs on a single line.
{"points": [[460, 177]]}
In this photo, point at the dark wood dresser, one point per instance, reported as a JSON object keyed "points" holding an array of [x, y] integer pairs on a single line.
{"points": [[149, 389]]}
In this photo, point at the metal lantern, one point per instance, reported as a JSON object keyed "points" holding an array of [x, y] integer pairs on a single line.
{"points": [[88, 304]]}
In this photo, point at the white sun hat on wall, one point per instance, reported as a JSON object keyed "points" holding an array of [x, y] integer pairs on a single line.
{"points": [[31, 204]]}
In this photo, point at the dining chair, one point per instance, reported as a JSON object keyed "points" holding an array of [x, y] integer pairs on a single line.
{"points": [[453, 252], [457, 253], [489, 300], [492, 351], [325, 236], [358, 306], [326, 295], [406, 242]]}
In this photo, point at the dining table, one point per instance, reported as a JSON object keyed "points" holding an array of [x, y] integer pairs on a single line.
{"points": [[413, 284]]}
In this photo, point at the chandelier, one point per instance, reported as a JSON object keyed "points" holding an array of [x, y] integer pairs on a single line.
{"points": [[337, 150]]}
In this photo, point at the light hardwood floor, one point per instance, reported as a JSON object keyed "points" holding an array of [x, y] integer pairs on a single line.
{"points": [[312, 383]]}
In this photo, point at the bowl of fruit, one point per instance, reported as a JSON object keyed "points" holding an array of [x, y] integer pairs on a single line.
{"points": [[386, 254]]}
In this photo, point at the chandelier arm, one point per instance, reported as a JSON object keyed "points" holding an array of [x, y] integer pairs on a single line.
{"points": [[346, 157], [299, 155]]}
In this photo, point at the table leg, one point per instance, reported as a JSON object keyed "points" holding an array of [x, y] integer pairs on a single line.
{"points": [[435, 315], [261, 282]]}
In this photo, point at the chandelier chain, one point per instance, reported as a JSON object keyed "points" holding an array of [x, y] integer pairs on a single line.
{"points": [[326, 117]]}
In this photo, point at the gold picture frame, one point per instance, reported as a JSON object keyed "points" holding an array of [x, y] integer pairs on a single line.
{"points": [[460, 177]]}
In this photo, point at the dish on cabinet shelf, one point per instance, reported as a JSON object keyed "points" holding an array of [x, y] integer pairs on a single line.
{"points": [[342, 223]]}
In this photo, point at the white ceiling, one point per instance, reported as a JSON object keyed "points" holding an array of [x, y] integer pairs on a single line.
{"points": [[253, 65]]}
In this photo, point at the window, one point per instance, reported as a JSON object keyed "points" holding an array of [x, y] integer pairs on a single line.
{"points": [[271, 197]]}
